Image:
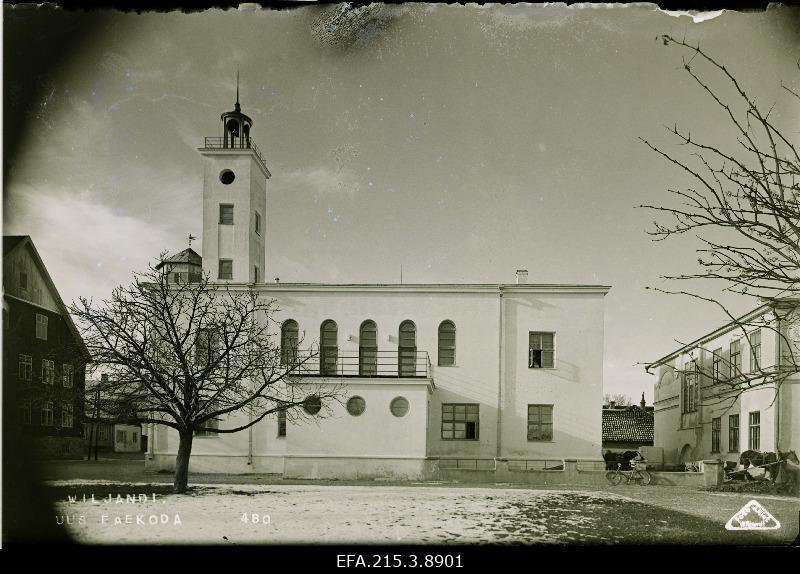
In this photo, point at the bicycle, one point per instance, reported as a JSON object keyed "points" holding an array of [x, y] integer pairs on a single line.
{"points": [[633, 475]]}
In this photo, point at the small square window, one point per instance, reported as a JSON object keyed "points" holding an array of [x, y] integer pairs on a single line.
{"points": [[226, 268], [226, 214]]}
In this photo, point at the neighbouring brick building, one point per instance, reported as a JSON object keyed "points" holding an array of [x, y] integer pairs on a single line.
{"points": [[44, 357], [627, 428]]}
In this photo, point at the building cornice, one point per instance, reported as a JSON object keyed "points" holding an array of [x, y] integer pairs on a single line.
{"points": [[416, 288]]}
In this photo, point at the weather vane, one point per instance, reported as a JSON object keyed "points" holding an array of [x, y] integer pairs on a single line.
{"points": [[191, 238]]}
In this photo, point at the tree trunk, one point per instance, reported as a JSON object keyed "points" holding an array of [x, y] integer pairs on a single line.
{"points": [[182, 462], [89, 442]]}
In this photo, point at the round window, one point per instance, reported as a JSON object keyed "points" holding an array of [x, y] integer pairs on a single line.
{"points": [[356, 406], [312, 404], [226, 176], [399, 407]]}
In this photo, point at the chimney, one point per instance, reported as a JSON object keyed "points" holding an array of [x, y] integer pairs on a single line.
{"points": [[522, 276], [642, 404], [277, 280], [611, 404]]}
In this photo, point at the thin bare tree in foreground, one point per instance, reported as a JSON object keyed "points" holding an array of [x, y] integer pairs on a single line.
{"points": [[744, 208], [189, 355]]}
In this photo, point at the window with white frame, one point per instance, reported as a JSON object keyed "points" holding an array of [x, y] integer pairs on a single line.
{"points": [[755, 430], [67, 375], [41, 326], [47, 414], [736, 359], [755, 350], [689, 392], [541, 350], [48, 371], [25, 412], [25, 367], [67, 418], [716, 366]]}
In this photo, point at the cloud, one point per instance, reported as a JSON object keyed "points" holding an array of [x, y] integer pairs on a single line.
{"points": [[321, 180], [88, 248]]}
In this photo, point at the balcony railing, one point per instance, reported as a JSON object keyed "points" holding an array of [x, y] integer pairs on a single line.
{"points": [[367, 363], [239, 143]]}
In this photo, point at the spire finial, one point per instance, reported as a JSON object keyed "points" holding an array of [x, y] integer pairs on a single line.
{"points": [[238, 107]]}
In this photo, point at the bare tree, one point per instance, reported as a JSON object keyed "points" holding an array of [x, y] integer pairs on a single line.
{"points": [[188, 355], [743, 206], [618, 399]]}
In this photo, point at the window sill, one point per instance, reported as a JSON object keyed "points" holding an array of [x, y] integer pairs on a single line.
{"points": [[550, 441], [543, 368], [462, 439], [222, 223], [446, 366]]}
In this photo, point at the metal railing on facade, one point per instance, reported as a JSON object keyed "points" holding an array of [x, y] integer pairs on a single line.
{"points": [[364, 363], [239, 143]]}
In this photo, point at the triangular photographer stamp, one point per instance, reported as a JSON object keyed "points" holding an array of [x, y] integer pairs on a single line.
{"points": [[752, 516]]}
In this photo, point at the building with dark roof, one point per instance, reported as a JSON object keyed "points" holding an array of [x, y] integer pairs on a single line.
{"points": [[44, 357], [627, 427]]}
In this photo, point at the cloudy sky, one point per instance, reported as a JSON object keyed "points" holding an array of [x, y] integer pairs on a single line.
{"points": [[462, 143]]}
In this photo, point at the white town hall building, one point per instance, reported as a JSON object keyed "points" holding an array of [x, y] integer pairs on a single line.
{"points": [[428, 372]]}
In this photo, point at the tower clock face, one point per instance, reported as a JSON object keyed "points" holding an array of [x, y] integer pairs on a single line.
{"points": [[227, 177]]}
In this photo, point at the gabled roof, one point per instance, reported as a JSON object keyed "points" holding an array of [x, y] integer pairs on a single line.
{"points": [[186, 256], [628, 424], [13, 242]]}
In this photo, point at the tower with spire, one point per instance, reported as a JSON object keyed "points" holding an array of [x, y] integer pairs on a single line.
{"points": [[235, 178]]}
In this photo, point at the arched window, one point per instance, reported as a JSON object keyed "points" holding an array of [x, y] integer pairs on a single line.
{"points": [[328, 347], [447, 344], [289, 339], [368, 349], [407, 350]]}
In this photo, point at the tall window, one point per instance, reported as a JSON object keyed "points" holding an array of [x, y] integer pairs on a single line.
{"points": [[447, 344], [41, 326], [47, 414], [255, 273], [541, 350], [716, 366], [755, 350], [368, 349], [690, 388], [716, 433], [25, 412], [736, 358], [67, 419], [329, 347], [755, 430], [226, 214], [258, 222], [540, 422], [282, 423], [407, 350], [460, 421], [226, 268], [733, 433], [207, 347], [289, 338], [48, 372], [25, 368], [67, 375]]}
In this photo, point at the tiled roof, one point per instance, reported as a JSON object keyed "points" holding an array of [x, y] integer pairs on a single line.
{"points": [[185, 256], [629, 424]]}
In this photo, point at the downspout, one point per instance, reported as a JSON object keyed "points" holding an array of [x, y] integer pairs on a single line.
{"points": [[250, 442], [778, 386], [500, 375]]}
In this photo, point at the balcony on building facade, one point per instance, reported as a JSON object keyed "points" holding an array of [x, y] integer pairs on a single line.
{"points": [[225, 143], [365, 363]]}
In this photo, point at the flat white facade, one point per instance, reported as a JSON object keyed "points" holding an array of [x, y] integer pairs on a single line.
{"points": [[719, 421], [489, 403]]}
